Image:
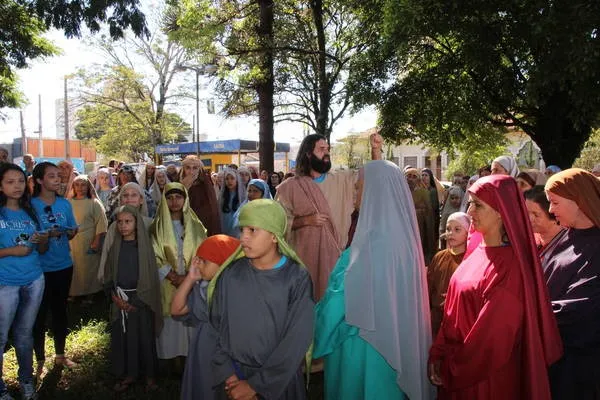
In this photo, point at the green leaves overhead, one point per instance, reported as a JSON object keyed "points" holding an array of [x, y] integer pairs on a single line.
{"points": [[444, 69]]}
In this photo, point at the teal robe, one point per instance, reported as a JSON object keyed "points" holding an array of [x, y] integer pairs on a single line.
{"points": [[354, 370]]}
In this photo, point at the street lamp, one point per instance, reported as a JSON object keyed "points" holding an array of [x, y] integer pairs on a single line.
{"points": [[199, 70]]}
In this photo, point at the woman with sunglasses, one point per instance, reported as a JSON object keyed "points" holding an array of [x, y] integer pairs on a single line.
{"points": [[56, 216]]}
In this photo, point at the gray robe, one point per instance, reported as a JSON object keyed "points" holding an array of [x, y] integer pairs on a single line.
{"points": [[198, 377], [264, 320]]}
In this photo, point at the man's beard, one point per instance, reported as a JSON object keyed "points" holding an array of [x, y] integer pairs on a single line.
{"points": [[320, 166]]}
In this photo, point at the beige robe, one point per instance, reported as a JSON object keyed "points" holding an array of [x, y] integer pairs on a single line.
{"points": [[90, 216], [319, 246]]}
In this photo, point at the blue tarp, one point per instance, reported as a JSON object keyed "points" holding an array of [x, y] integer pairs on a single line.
{"points": [[218, 146]]}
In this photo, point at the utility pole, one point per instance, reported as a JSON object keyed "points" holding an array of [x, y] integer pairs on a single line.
{"points": [[23, 136], [67, 153], [40, 140]]}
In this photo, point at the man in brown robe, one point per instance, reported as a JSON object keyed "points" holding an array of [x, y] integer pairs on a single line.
{"points": [[319, 204], [203, 201]]}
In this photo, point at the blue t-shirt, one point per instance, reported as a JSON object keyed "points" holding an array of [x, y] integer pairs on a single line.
{"points": [[58, 215], [16, 227]]}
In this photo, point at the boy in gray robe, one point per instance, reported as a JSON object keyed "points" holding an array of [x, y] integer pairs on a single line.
{"points": [[261, 304]]}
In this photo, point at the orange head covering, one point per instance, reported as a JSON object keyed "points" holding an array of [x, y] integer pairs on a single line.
{"points": [[217, 248], [579, 186]]}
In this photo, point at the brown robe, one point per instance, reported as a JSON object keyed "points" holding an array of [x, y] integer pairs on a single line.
{"points": [[425, 219], [204, 203], [443, 265], [318, 247]]}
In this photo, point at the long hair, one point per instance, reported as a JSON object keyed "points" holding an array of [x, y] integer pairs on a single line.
{"points": [[38, 173], [304, 153], [25, 199], [430, 173], [538, 195]]}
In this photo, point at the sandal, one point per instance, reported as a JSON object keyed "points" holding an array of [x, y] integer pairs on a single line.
{"points": [[123, 385]]}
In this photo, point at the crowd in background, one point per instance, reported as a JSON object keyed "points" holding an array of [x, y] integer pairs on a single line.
{"points": [[408, 288]]}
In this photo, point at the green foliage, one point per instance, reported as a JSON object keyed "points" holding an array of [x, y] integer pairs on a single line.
{"points": [[478, 149], [126, 134], [23, 23], [312, 46], [442, 69], [351, 152], [590, 155], [20, 40]]}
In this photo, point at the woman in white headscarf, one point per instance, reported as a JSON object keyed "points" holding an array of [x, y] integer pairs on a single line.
{"points": [[161, 178], [505, 165], [373, 325]]}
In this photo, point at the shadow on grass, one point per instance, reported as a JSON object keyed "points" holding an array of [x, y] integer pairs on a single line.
{"points": [[88, 345]]}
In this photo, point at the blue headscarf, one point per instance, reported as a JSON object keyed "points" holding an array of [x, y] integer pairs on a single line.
{"points": [[260, 185], [554, 168]]}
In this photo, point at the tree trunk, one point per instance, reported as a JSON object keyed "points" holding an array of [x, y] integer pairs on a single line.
{"points": [[265, 88], [559, 138], [323, 84]]}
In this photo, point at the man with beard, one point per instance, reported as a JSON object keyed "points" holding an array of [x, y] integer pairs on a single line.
{"points": [[319, 204]]}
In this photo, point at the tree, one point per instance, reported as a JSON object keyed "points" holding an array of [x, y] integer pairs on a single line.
{"points": [[295, 72], [118, 86], [441, 69], [352, 151], [22, 23], [117, 133], [590, 155]]}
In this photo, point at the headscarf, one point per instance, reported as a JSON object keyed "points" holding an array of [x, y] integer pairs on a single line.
{"points": [[579, 186], [462, 218], [263, 187], [244, 170], [68, 192], [554, 168], [138, 188], [465, 199], [142, 177], [541, 344], [433, 181], [155, 192], [187, 181], [217, 248], [449, 208], [111, 180], [413, 170], [148, 289], [533, 177], [509, 164], [264, 214], [165, 242], [241, 188], [386, 293], [91, 190]]}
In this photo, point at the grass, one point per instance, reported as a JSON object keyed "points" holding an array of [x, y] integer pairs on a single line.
{"points": [[88, 344]]}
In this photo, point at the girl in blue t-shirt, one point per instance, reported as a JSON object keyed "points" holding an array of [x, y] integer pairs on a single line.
{"points": [[56, 216], [21, 278]]}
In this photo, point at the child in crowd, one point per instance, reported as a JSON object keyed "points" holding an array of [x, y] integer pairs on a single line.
{"points": [[131, 280], [21, 276], [56, 216], [176, 234], [444, 263], [131, 194], [189, 305], [261, 305]]}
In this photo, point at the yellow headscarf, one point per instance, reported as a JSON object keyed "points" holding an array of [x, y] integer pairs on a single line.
{"points": [[165, 243]]}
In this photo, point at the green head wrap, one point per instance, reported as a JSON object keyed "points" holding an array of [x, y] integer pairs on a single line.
{"points": [[264, 214]]}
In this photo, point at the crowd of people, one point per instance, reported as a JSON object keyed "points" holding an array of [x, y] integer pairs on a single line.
{"points": [[393, 284]]}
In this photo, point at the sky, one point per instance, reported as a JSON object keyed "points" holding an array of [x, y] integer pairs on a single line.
{"points": [[45, 78]]}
